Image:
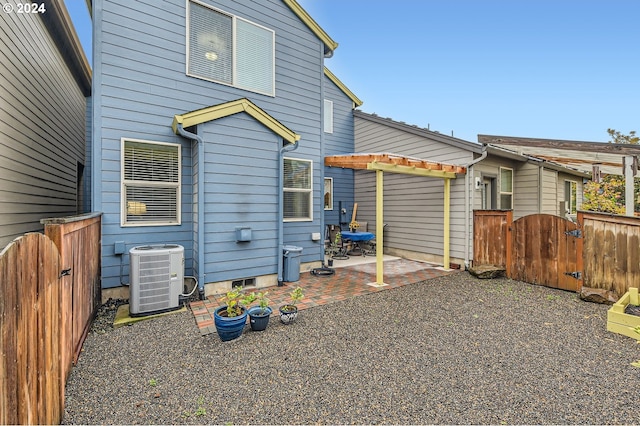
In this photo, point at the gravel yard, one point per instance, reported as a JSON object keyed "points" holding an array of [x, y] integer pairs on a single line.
{"points": [[451, 350]]}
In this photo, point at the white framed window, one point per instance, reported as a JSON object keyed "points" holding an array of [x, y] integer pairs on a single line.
{"points": [[298, 189], [328, 193], [151, 178], [570, 197], [328, 116], [230, 50], [506, 188]]}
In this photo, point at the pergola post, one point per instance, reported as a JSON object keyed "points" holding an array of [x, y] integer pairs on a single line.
{"points": [[379, 227], [447, 221]]}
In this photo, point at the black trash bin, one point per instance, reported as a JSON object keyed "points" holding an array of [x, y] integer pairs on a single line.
{"points": [[291, 265]]}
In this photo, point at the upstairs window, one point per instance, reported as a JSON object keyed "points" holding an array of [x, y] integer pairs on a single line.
{"points": [[298, 184], [150, 183], [229, 50], [328, 116], [506, 188]]}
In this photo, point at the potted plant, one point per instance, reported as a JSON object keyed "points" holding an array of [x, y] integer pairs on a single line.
{"points": [[259, 315], [231, 318], [336, 249], [289, 312]]}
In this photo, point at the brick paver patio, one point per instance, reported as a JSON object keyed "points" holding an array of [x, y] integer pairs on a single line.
{"points": [[347, 282]]}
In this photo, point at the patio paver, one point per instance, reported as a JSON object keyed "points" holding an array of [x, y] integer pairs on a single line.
{"points": [[347, 282]]}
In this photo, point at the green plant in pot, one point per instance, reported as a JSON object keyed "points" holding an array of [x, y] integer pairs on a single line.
{"points": [[231, 318], [259, 315], [289, 312]]}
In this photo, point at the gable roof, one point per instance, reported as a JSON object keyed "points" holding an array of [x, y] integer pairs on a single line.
{"points": [[226, 109], [331, 76], [581, 155], [420, 131], [329, 44]]}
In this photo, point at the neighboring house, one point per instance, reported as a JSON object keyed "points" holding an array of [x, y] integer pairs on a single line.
{"points": [[580, 155], [209, 116], [44, 82], [496, 178]]}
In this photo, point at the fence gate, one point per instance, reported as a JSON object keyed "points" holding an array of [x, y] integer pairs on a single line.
{"points": [[540, 248], [546, 250]]}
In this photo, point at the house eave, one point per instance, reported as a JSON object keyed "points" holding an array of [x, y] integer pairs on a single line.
{"points": [[215, 112], [329, 44], [513, 155], [331, 76], [60, 27]]}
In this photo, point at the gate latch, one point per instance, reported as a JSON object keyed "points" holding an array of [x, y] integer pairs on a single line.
{"points": [[575, 233], [576, 274]]}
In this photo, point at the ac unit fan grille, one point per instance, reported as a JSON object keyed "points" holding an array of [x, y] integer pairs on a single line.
{"points": [[155, 282]]}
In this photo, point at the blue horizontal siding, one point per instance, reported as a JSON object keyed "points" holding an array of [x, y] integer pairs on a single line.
{"points": [[140, 83]]}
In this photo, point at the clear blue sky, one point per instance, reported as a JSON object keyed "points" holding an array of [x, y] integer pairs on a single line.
{"points": [[558, 69]]}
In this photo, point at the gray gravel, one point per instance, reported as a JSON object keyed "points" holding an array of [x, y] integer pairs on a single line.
{"points": [[452, 350]]}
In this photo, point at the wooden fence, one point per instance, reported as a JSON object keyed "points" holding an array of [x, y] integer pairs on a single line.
{"points": [[606, 248], [611, 251], [49, 292]]}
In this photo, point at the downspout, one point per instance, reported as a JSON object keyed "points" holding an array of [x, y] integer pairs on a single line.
{"points": [[283, 150], [194, 137], [470, 198]]}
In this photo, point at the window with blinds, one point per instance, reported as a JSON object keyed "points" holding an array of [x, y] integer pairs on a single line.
{"points": [[150, 183], [297, 188], [229, 50]]}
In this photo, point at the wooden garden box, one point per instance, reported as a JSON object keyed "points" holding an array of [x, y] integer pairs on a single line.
{"points": [[621, 323]]}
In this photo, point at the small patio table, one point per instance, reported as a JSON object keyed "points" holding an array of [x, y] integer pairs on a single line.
{"points": [[357, 238]]}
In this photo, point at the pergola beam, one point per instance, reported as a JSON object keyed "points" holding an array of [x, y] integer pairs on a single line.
{"points": [[411, 170], [408, 165]]}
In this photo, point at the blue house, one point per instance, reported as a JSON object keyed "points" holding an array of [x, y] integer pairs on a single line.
{"points": [[211, 119]]}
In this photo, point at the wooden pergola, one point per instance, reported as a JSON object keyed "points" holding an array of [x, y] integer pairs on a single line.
{"points": [[392, 163]]}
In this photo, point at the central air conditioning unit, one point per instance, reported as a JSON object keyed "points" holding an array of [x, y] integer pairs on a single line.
{"points": [[155, 279]]}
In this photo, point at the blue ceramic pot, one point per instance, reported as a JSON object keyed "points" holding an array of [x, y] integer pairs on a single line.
{"points": [[257, 320], [288, 313], [229, 328]]}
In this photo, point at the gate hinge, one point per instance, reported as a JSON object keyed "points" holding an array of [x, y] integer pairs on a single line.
{"points": [[575, 274], [65, 272], [575, 233]]}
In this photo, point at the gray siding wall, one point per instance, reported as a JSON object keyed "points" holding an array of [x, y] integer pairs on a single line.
{"points": [[339, 142], [140, 83], [526, 189], [42, 128], [550, 193], [413, 206]]}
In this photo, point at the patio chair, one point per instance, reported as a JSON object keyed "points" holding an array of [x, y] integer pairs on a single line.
{"points": [[369, 247], [336, 247]]}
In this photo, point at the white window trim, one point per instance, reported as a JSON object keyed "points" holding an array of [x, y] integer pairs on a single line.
{"points": [[568, 201], [328, 115], [123, 191], [310, 191], [503, 192], [234, 19], [330, 179]]}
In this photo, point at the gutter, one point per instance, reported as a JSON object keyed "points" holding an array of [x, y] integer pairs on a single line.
{"points": [[470, 196], [198, 140], [283, 150]]}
